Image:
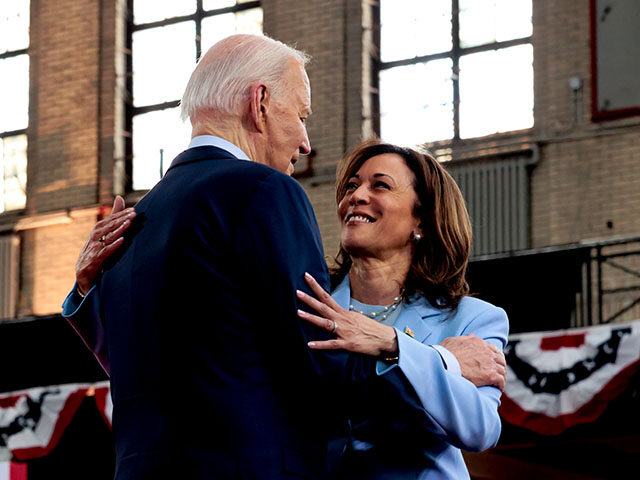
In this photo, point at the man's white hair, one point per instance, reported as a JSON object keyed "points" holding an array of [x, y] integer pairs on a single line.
{"points": [[224, 75]]}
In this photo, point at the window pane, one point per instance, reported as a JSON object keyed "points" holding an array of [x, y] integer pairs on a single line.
{"points": [[14, 94], [157, 138], [215, 4], [13, 172], [249, 21], [496, 91], [416, 103], [411, 28], [218, 27], [488, 21], [163, 59], [145, 11], [14, 25]]}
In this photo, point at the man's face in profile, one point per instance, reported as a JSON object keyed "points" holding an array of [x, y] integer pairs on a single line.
{"points": [[286, 125]]}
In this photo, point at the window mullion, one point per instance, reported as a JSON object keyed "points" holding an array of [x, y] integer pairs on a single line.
{"points": [[13, 133], [414, 60], [128, 122], [199, 16], [13, 53], [455, 74]]}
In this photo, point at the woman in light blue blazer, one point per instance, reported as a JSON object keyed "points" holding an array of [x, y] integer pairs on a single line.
{"points": [[400, 294]]}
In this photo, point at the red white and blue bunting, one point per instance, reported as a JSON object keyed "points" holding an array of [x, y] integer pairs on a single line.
{"points": [[32, 421], [555, 380], [559, 379], [13, 471]]}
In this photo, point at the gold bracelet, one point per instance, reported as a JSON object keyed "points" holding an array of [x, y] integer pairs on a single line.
{"points": [[82, 295], [390, 359]]}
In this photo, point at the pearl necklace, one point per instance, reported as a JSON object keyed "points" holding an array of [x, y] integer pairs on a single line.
{"points": [[386, 310]]}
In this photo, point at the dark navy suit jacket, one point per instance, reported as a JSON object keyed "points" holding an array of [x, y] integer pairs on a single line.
{"points": [[210, 373]]}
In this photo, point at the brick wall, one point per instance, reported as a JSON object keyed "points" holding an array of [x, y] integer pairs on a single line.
{"points": [[72, 139], [587, 174], [331, 32], [49, 255]]}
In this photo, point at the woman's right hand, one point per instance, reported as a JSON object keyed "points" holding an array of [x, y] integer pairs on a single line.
{"points": [[104, 239]]}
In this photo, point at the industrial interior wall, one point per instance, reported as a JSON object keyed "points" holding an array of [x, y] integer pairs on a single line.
{"points": [[585, 184]]}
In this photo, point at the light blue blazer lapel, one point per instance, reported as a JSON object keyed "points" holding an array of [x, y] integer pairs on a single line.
{"points": [[415, 318], [342, 293]]}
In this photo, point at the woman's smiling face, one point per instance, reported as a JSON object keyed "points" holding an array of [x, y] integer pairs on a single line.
{"points": [[377, 211]]}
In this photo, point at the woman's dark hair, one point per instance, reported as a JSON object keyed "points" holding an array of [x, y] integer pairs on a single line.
{"points": [[440, 258]]}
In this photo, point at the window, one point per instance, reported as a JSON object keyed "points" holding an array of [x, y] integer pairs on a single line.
{"points": [[452, 69], [14, 103], [166, 38], [615, 59]]}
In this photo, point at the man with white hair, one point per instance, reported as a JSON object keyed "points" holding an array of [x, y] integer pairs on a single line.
{"points": [[211, 376]]}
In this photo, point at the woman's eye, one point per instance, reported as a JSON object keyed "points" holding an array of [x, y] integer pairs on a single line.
{"points": [[351, 186], [382, 185]]}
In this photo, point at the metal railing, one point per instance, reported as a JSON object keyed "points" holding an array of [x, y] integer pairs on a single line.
{"points": [[564, 286]]}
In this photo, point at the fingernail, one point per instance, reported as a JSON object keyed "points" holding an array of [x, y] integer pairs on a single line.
{"points": [[299, 293], [307, 275], [301, 312], [312, 344]]}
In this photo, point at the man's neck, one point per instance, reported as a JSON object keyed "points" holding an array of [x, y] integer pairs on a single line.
{"points": [[378, 282]]}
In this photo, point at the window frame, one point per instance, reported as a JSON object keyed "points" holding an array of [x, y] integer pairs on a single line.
{"points": [[20, 131], [454, 54], [130, 110], [598, 115]]}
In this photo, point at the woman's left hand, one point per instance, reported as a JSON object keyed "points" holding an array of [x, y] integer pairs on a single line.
{"points": [[105, 238], [354, 332]]}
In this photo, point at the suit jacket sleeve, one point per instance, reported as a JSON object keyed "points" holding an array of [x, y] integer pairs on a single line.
{"points": [[83, 314], [456, 410]]}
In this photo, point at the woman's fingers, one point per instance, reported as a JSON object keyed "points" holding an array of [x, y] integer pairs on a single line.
{"points": [[320, 292], [116, 234], [105, 238], [112, 222], [328, 345], [109, 249], [324, 323], [118, 204], [315, 304], [112, 228]]}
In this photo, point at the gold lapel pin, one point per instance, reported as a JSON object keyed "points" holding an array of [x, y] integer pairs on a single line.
{"points": [[408, 331]]}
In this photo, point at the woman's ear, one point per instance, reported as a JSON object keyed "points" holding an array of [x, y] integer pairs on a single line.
{"points": [[258, 106]]}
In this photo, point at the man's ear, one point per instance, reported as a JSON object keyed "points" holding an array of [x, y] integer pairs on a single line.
{"points": [[258, 105]]}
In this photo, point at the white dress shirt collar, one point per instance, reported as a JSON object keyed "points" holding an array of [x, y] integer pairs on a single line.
{"points": [[213, 141]]}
